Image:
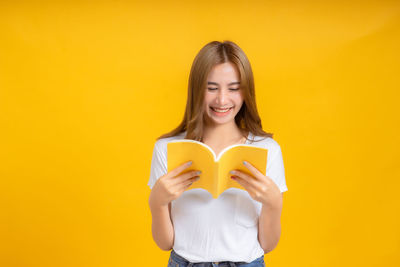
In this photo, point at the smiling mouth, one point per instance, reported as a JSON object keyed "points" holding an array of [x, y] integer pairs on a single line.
{"points": [[221, 110]]}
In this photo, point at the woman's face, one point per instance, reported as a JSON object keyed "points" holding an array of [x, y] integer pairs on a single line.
{"points": [[222, 92]]}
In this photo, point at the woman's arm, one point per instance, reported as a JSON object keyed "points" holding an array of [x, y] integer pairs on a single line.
{"points": [[166, 189], [263, 189], [269, 227], [161, 227]]}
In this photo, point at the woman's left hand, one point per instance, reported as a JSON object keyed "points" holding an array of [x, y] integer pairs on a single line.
{"points": [[260, 187]]}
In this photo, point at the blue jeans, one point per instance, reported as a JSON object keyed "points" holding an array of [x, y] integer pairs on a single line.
{"points": [[176, 260]]}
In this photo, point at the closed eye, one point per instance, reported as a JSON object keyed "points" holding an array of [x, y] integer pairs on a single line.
{"points": [[232, 89]]}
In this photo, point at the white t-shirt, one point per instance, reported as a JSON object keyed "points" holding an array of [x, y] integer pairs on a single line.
{"points": [[222, 229]]}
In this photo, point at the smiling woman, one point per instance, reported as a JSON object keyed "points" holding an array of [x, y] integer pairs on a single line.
{"points": [[239, 226], [223, 100], [221, 77]]}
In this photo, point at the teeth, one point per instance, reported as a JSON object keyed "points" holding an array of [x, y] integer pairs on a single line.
{"points": [[221, 110]]}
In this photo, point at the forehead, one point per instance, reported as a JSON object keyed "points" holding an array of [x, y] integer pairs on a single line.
{"points": [[226, 72]]}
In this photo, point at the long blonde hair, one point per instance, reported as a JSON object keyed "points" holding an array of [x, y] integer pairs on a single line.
{"points": [[214, 53]]}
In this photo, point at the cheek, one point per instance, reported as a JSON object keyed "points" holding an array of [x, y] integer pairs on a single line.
{"points": [[207, 100], [239, 100]]}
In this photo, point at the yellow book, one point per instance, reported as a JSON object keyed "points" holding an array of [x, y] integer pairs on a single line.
{"points": [[215, 176]]}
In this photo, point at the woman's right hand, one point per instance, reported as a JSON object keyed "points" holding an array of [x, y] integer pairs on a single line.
{"points": [[171, 185]]}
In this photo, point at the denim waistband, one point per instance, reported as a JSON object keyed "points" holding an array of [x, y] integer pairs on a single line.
{"points": [[182, 261]]}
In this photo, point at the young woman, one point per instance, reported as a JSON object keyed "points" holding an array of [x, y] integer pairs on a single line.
{"points": [[240, 226]]}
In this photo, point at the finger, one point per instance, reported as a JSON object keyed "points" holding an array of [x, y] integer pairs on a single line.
{"points": [[189, 182], [247, 178], [249, 187], [180, 168], [256, 173], [185, 176]]}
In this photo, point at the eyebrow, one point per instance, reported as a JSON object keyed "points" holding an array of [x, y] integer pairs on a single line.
{"points": [[232, 83]]}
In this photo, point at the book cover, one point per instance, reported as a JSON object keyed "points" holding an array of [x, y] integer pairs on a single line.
{"points": [[215, 176]]}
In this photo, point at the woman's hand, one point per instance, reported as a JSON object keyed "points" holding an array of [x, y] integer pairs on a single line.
{"points": [[260, 187], [171, 185]]}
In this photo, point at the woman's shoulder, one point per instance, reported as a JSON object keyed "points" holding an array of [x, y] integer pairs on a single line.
{"points": [[264, 141], [161, 143]]}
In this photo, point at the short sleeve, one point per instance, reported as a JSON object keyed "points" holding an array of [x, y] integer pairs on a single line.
{"points": [[158, 163], [275, 169]]}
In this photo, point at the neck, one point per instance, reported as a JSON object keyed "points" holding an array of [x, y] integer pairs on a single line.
{"points": [[222, 134]]}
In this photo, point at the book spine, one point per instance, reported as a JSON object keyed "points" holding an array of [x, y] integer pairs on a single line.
{"points": [[216, 179]]}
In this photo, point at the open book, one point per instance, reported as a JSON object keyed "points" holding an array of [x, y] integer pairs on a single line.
{"points": [[215, 176]]}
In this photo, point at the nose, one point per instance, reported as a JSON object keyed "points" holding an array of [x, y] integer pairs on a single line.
{"points": [[221, 97]]}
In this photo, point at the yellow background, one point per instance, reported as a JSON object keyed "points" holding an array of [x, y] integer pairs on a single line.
{"points": [[87, 86]]}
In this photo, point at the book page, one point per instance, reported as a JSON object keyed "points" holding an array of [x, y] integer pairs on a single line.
{"points": [[181, 151], [232, 159]]}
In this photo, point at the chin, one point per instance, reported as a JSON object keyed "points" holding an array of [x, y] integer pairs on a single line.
{"points": [[222, 120]]}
